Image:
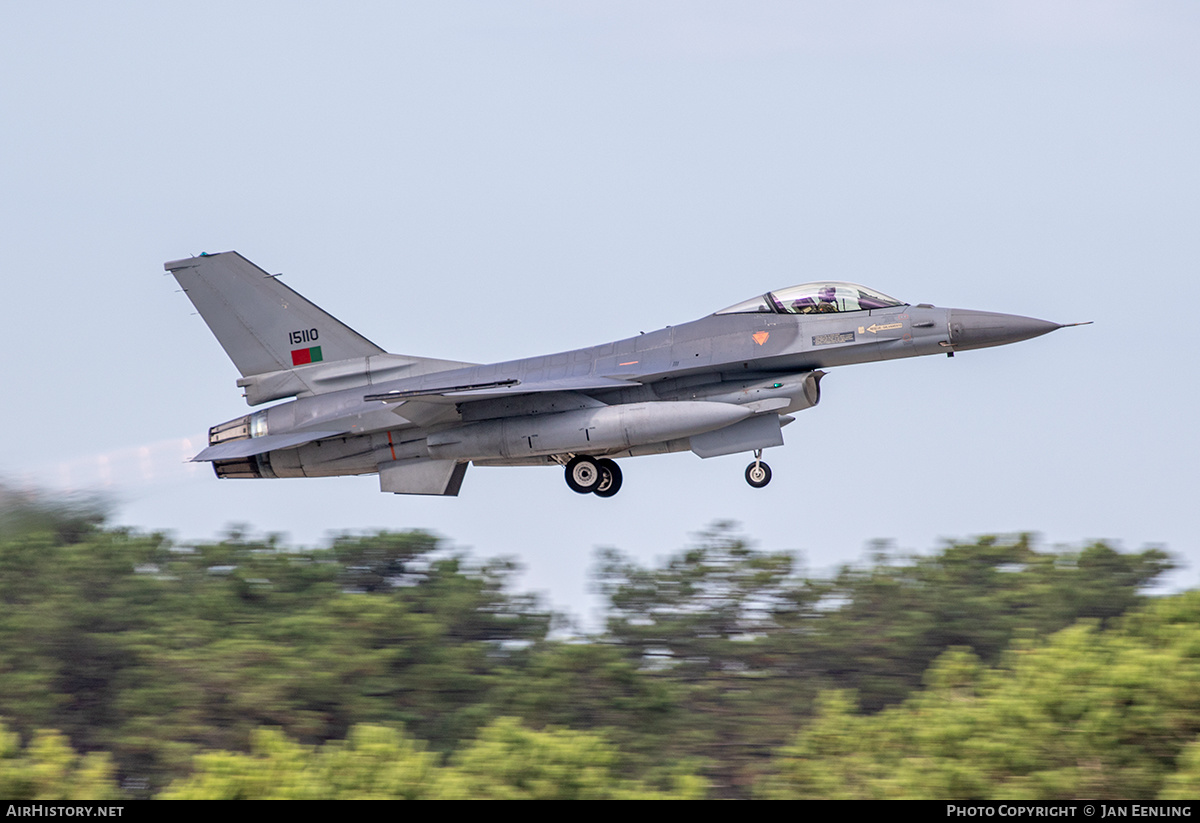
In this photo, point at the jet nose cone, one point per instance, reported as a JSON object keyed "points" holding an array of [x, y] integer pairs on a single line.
{"points": [[980, 329]]}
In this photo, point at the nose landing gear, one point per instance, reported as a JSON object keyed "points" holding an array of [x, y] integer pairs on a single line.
{"points": [[758, 473]]}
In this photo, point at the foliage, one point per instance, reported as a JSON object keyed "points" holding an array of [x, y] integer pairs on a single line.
{"points": [[506, 762], [209, 657], [755, 643], [153, 652], [374, 763], [510, 762], [1085, 714], [49, 769]]}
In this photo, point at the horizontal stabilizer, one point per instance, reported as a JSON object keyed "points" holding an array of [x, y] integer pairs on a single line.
{"points": [[260, 445]]}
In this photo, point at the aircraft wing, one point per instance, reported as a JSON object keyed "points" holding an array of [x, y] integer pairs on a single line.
{"points": [[502, 388]]}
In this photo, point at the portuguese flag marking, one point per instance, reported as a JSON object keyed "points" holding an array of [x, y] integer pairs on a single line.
{"points": [[301, 357]]}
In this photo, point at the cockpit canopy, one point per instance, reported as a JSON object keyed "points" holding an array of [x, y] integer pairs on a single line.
{"points": [[816, 298]]}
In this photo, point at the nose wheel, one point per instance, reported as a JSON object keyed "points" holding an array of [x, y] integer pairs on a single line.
{"points": [[758, 473]]}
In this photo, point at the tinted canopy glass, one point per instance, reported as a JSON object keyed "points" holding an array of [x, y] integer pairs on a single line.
{"points": [[816, 298]]}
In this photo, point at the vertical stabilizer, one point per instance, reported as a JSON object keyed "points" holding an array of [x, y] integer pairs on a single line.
{"points": [[262, 324]]}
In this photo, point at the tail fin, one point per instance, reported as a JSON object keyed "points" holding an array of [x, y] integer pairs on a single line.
{"points": [[283, 345], [262, 324]]}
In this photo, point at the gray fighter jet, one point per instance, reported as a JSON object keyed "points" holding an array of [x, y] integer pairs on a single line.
{"points": [[722, 384]]}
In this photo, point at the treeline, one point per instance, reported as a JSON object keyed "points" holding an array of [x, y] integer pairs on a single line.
{"points": [[389, 665]]}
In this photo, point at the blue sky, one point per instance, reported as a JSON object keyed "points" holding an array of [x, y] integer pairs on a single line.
{"points": [[485, 181]]}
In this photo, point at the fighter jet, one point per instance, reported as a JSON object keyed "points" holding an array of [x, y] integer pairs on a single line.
{"points": [[723, 384]]}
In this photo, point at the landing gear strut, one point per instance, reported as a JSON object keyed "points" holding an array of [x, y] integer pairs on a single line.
{"points": [[758, 473]]}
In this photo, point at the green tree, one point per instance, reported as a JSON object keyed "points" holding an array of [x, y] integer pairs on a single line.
{"points": [[49, 769], [1087, 713], [374, 763], [879, 628], [511, 762], [507, 761]]}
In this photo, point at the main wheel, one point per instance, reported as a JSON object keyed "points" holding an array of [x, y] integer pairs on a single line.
{"points": [[583, 474], [610, 478], [758, 474]]}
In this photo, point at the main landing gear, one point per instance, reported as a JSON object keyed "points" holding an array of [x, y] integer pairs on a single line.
{"points": [[586, 475], [758, 473], [602, 477]]}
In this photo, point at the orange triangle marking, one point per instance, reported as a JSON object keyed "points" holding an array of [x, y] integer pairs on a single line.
{"points": [[760, 337]]}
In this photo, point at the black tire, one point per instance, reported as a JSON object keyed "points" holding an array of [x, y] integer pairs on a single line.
{"points": [[610, 478], [758, 474], [583, 474]]}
